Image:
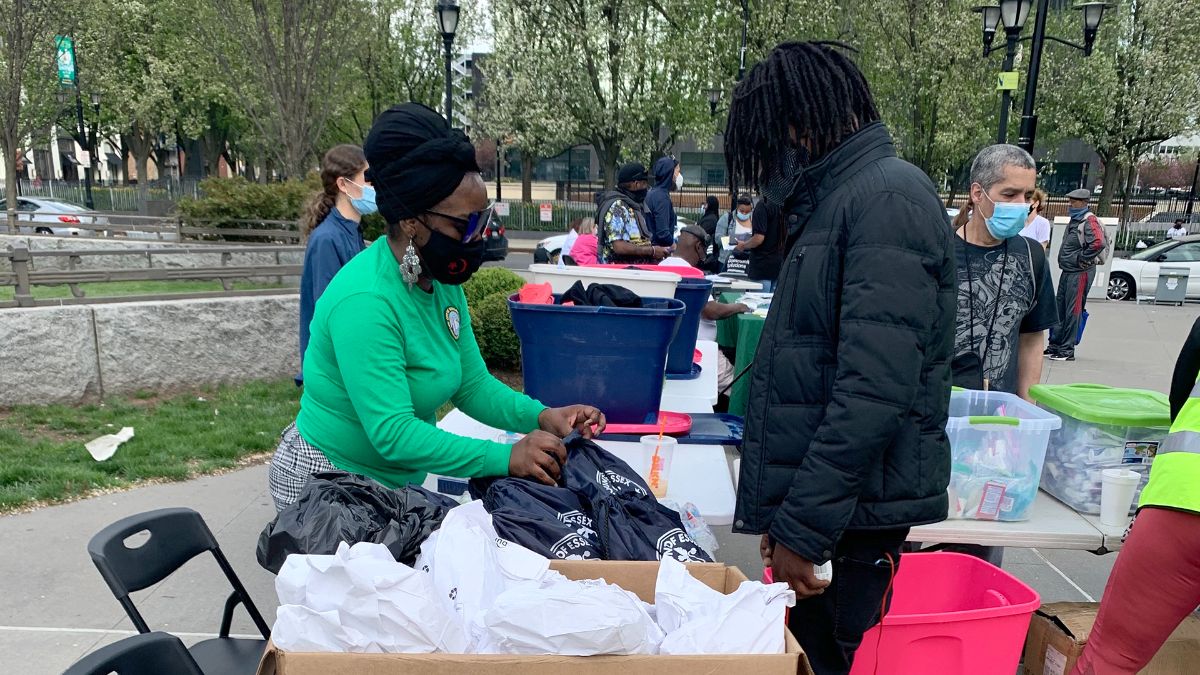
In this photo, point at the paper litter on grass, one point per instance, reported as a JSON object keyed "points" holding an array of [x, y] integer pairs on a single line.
{"points": [[103, 447]]}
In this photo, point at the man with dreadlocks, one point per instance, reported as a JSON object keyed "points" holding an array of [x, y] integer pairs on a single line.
{"points": [[845, 445]]}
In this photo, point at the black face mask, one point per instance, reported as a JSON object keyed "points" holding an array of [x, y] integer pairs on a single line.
{"points": [[780, 181], [450, 261], [639, 195]]}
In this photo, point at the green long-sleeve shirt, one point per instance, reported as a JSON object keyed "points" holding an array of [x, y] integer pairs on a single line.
{"points": [[382, 359]]}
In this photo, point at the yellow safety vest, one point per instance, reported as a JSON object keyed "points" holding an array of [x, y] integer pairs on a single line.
{"points": [[1175, 474]]}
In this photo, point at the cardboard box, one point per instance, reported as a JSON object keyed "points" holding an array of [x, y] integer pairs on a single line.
{"points": [[638, 577], [1060, 630]]}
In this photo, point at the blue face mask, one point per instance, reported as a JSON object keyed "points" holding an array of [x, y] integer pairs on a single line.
{"points": [[1077, 213], [741, 216], [365, 205], [1008, 218]]}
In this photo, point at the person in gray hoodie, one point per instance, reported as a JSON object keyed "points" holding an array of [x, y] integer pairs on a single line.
{"points": [[660, 212]]}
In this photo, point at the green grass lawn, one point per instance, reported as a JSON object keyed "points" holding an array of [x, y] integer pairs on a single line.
{"points": [[120, 288], [43, 459]]}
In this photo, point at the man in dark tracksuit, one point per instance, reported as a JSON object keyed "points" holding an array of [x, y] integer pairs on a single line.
{"points": [[1080, 251], [845, 444]]}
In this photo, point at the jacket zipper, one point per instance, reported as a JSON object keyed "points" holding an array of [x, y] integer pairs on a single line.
{"points": [[794, 269]]}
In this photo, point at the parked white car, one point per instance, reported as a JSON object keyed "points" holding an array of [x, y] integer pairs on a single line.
{"points": [[1139, 272], [38, 215]]}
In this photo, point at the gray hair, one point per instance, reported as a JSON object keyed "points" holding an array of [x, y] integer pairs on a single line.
{"points": [[989, 164]]}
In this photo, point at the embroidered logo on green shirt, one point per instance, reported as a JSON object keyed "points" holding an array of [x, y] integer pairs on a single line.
{"points": [[453, 321]]}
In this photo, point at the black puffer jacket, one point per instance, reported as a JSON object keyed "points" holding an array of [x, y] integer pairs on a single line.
{"points": [[851, 383]]}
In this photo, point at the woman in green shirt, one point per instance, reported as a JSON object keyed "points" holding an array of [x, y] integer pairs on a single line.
{"points": [[391, 339]]}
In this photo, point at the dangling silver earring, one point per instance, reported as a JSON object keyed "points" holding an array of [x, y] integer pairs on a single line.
{"points": [[410, 265]]}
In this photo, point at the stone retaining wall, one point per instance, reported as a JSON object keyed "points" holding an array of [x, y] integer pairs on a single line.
{"points": [[42, 243], [83, 352]]}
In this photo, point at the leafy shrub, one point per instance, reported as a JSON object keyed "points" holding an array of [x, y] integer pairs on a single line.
{"points": [[493, 328], [229, 199], [490, 281]]}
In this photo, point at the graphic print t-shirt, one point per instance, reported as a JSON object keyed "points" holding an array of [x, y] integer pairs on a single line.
{"points": [[1026, 304]]}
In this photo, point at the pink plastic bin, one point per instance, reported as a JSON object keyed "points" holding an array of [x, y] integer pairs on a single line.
{"points": [[951, 614]]}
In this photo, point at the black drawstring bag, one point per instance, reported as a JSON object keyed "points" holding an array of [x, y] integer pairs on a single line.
{"points": [[602, 506], [550, 521]]}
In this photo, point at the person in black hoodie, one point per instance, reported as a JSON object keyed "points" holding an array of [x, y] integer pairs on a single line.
{"points": [[660, 212], [845, 442]]}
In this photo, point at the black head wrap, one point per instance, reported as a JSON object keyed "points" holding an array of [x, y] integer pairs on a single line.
{"points": [[416, 160]]}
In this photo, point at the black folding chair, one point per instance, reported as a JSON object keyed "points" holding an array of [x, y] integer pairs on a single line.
{"points": [[145, 654], [176, 536]]}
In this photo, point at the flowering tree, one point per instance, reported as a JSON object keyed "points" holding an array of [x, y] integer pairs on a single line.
{"points": [[1138, 88]]}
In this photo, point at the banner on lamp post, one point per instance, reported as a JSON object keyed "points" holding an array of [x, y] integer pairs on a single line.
{"points": [[64, 48]]}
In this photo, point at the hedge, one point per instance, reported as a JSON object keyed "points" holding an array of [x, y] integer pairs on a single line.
{"points": [[228, 200], [490, 281], [494, 332]]}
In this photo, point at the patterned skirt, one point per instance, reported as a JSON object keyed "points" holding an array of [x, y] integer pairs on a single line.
{"points": [[294, 461]]}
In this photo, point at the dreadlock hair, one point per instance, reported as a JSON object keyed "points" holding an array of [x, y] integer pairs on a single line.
{"points": [[809, 89]]}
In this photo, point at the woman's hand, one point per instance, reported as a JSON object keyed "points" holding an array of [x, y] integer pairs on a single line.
{"points": [[582, 418], [539, 456]]}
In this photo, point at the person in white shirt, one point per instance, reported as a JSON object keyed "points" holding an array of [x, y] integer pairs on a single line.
{"points": [[1177, 230], [691, 251], [1037, 227]]}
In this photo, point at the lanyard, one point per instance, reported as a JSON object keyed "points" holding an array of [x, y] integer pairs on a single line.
{"points": [[987, 338]]}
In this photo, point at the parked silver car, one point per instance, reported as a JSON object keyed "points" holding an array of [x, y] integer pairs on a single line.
{"points": [[39, 215]]}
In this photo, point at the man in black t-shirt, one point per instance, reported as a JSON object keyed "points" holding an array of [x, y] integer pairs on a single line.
{"points": [[765, 245], [1005, 291]]}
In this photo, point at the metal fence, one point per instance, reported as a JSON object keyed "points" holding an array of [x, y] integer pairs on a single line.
{"points": [[118, 198], [25, 272], [156, 228]]}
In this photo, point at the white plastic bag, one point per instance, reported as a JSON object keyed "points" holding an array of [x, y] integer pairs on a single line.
{"points": [[700, 620], [571, 618], [469, 566], [360, 600]]}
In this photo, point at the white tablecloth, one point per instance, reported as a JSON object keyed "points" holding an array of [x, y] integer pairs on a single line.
{"points": [[703, 387], [1052, 525]]}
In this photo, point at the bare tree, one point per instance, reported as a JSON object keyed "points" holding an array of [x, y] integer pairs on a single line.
{"points": [[284, 61], [26, 56]]}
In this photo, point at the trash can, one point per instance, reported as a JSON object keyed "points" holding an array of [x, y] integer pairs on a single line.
{"points": [[1172, 285]]}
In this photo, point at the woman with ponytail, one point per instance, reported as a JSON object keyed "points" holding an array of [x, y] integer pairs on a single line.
{"points": [[332, 223]]}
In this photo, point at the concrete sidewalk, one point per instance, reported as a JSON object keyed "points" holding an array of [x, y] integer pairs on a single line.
{"points": [[54, 607]]}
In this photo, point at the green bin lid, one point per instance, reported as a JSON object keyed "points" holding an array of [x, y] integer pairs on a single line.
{"points": [[1100, 404]]}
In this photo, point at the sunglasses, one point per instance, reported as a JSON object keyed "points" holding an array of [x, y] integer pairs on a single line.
{"points": [[474, 223]]}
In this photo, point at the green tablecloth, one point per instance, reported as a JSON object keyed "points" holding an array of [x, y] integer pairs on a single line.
{"points": [[741, 333]]}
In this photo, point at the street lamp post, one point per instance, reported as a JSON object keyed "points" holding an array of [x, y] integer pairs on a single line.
{"points": [[1014, 14], [94, 136], [745, 31], [447, 16], [81, 137], [714, 97]]}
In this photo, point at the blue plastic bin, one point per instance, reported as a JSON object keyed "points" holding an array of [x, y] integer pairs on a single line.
{"points": [[694, 293], [610, 357]]}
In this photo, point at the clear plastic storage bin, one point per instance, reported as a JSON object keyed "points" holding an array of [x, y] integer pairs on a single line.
{"points": [[1103, 428], [997, 445]]}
